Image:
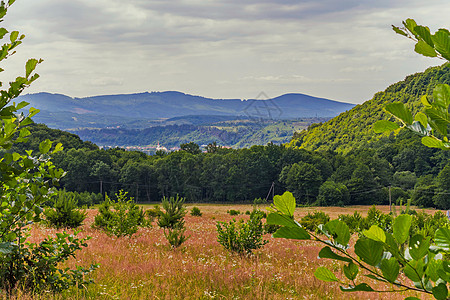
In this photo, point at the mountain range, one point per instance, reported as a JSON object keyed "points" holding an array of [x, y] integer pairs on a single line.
{"points": [[145, 110]]}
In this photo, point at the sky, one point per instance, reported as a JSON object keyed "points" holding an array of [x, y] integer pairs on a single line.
{"points": [[342, 50]]}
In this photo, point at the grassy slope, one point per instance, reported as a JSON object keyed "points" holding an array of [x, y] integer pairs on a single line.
{"points": [[354, 128]]}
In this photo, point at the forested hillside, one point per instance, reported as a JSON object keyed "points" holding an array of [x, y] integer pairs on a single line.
{"points": [[353, 128], [235, 133], [360, 176]]}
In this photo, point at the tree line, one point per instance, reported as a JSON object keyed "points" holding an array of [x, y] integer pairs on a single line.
{"points": [[399, 167]]}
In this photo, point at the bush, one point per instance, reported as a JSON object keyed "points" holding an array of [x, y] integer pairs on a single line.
{"points": [[233, 212], [65, 213], [426, 224], [195, 211], [172, 220], [312, 220], [242, 237], [120, 218], [355, 222], [154, 212]]}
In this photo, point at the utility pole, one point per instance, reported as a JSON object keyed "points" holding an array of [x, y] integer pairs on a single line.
{"points": [[271, 190]]}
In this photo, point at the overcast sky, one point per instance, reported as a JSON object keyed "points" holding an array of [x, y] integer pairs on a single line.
{"points": [[338, 49]]}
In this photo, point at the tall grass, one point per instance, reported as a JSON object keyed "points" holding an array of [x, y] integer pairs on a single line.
{"points": [[146, 267]]}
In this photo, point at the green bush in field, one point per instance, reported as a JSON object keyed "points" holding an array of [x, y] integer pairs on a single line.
{"points": [[65, 212], [195, 211], [242, 237], [233, 212], [312, 220], [172, 220], [122, 217]]}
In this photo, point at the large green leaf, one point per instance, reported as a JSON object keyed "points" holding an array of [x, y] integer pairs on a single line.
{"points": [[414, 270], [433, 142], [375, 233], [362, 287], [439, 118], [442, 238], [285, 203], [45, 146], [324, 274], [401, 228], [390, 269], [282, 220], [440, 292], [424, 33], [418, 246], [417, 127], [422, 119], [296, 233], [30, 66], [351, 271], [425, 49], [339, 230], [369, 251], [441, 40], [399, 110], [326, 252], [441, 95], [383, 126]]}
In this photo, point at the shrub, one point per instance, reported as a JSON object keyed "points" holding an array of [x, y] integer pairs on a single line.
{"points": [[27, 183], [195, 211], [312, 220], [233, 212], [120, 218], [65, 214], [242, 237], [172, 220], [154, 212], [355, 222]]}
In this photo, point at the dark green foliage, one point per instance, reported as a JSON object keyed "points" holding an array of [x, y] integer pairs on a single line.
{"points": [[36, 268], [353, 129], [333, 194], [303, 180], [195, 211], [65, 213], [122, 217], [233, 212], [154, 212], [355, 222], [312, 220], [426, 224], [172, 220], [242, 237]]}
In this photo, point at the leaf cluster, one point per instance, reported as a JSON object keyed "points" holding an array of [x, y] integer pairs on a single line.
{"points": [[122, 217], [378, 254], [65, 212], [172, 220], [242, 237]]}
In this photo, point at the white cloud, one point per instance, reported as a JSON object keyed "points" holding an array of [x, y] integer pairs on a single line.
{"points": [[343, 50]]}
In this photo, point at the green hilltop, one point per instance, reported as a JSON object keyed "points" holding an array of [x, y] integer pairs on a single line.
{"points": [[353, 128]]}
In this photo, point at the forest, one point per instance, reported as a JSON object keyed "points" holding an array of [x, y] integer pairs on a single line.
{"points": [[397, 165]]}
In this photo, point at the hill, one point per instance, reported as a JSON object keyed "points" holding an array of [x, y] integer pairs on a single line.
{"points": [[148, 109], [237, 133], [353, 128]]}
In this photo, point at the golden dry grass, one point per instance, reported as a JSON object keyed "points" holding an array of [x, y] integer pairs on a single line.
{"points": [[145, 267]]}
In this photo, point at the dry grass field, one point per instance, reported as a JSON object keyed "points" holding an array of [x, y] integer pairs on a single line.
{"points": [[145, 267]]}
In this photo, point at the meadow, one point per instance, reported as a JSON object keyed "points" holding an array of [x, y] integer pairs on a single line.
{"points": [[145, 267]]}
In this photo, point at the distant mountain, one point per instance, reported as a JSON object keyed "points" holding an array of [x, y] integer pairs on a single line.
{"points": [[135, 110], [353, 128]]}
